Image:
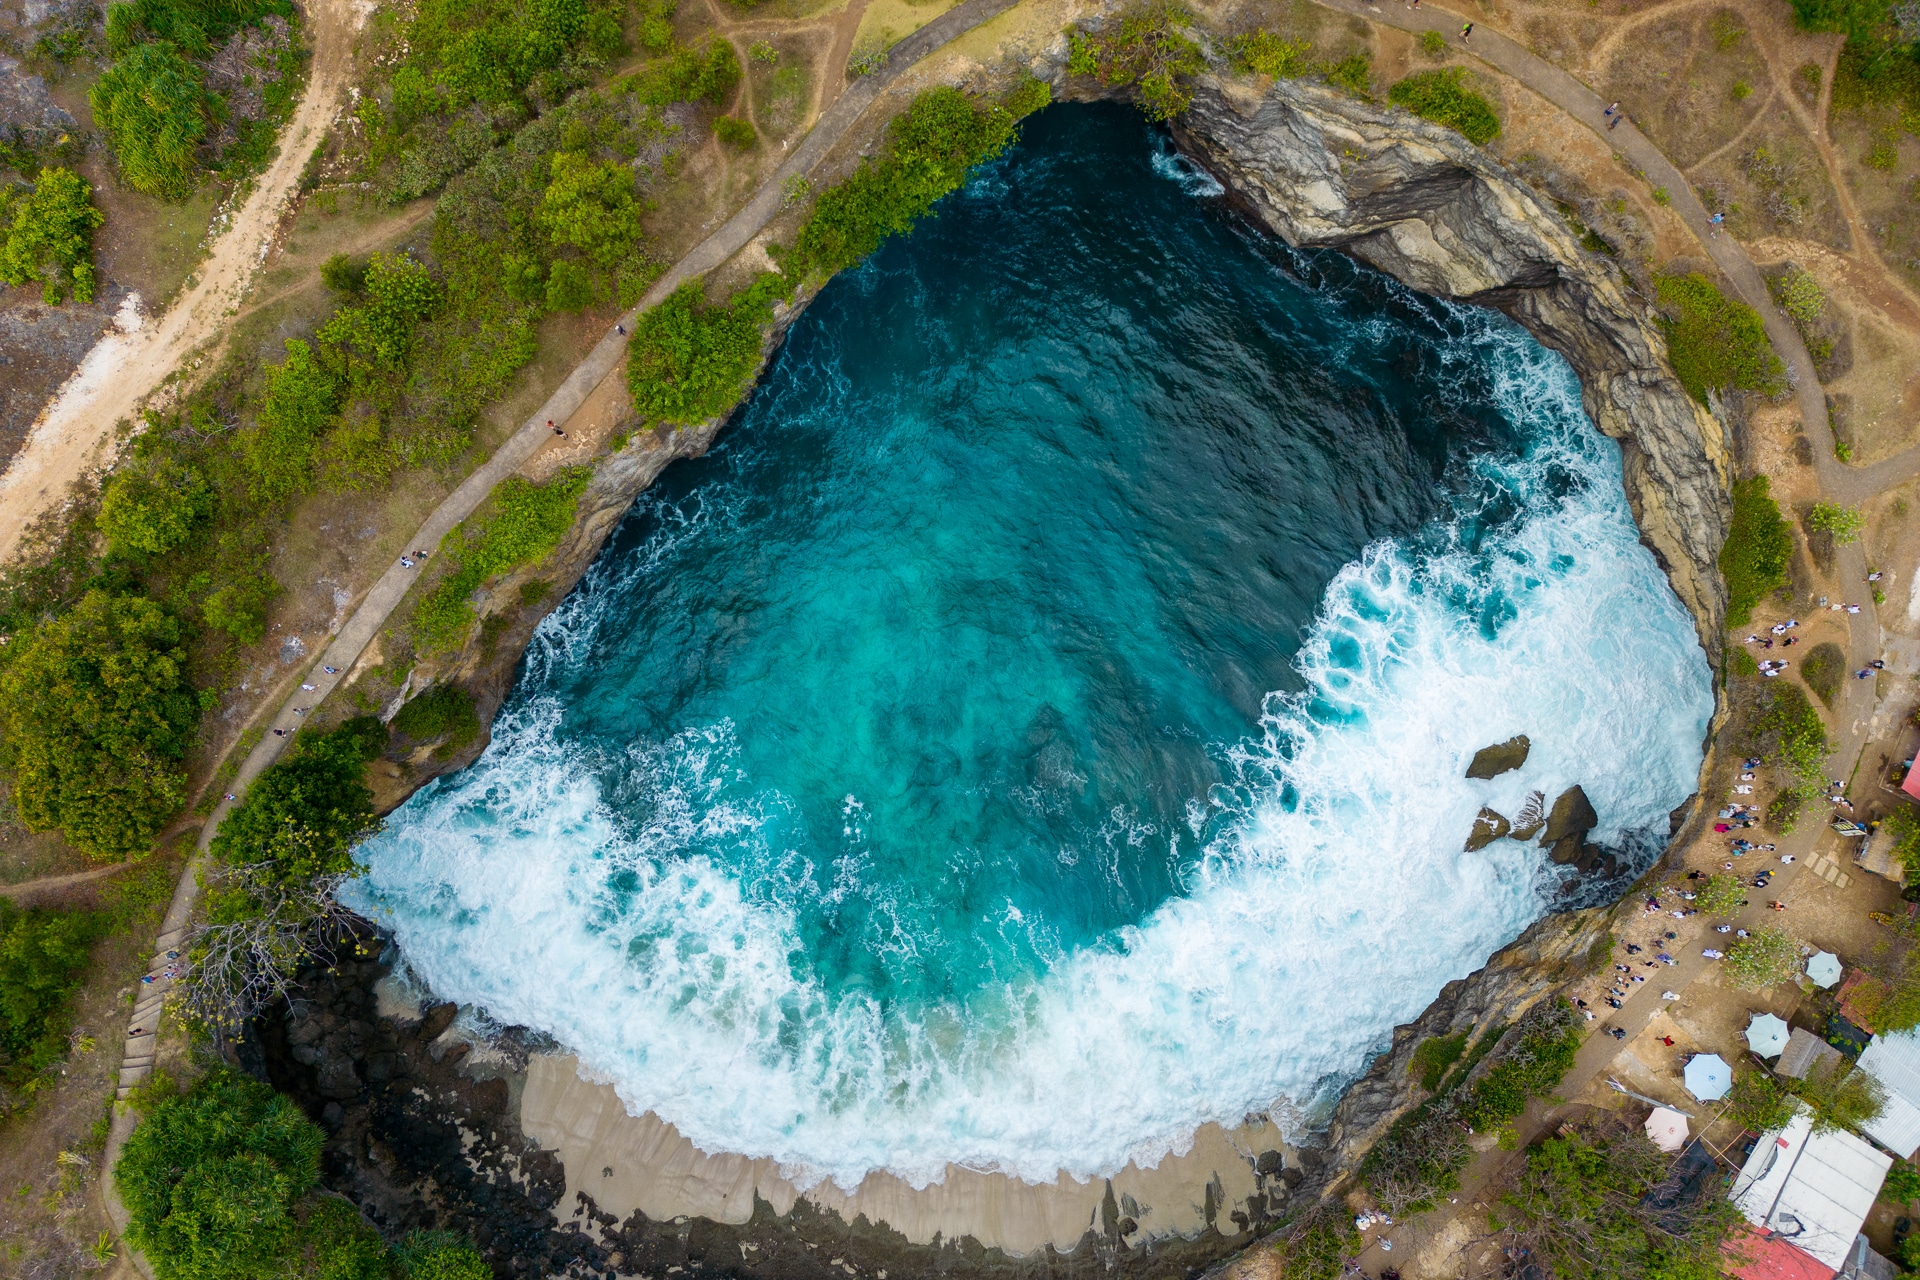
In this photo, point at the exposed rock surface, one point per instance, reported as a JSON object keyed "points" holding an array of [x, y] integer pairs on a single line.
{"points": [[1501, 757], [1423, 204], [1488, 826]]}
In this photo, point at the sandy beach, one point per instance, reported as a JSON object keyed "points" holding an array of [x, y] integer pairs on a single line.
{"points": [[627, 1163]]}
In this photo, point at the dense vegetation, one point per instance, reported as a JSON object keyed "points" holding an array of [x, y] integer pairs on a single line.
{"points": [[1420, 1158], [302, 817], [469, 73], [1716, 344], [1822, 670], [42, 953], [1758, 549], [1149, 48], [1767, 955], [524, 524], [1445, 98], [96, 715], [1264, 53], [46, 235], [689, 361], [1603, 1203], [220, 1185], [154, 104], [1789, 734]]}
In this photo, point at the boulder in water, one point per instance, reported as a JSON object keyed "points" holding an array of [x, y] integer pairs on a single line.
{"points": [[1488, 826], [1532, 816], [1502, 757], [1572, 815]]}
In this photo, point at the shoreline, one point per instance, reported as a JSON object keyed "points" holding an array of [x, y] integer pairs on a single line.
{"points": [[628, 1164]]}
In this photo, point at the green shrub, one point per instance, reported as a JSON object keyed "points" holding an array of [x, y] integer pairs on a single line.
{"points": [[42, 955], [1800, 296], [1714, 342], [1842, 524], [238, 607], [689, 362], [1856, 19], [708, 74], [210, 1180], [1597, 1204], [1741, 663], [49, 236], [148, 510], [1433, 44], [1822, 669], [301, 818], [1030, 95], [1719, 895], [1902, 1186], [96, 714], [1764, 957], [344, 275], [1444, 97], [445, 711], [591, 207], [197, 26], [1263, 53], [1353, 73], [1147, 48], [734, 132], [277, 451], [1757, 1102], [930, 148], [1315, 1246], [1758, 549], [523, 525], [1842, 1096], [154, 112], [1434, 1056], [1791, 736]]}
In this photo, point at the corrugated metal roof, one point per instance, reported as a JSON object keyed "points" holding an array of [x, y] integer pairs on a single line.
{"points": [[1894, 1060], [1812, 1189]]}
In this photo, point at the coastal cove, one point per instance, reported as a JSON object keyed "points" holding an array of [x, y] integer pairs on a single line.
{"points": [[1665, 471]]}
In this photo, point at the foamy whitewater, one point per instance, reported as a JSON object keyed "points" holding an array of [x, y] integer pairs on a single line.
{"points": [[647, 899]]}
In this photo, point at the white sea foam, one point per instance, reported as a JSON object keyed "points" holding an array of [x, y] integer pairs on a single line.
{"points": [[1332, 901]]}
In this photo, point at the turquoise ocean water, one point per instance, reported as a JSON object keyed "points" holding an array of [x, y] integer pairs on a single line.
{"points": [[1037, 728]]}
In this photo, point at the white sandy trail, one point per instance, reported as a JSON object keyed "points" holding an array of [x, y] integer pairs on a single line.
{"points": [[75, 432]]}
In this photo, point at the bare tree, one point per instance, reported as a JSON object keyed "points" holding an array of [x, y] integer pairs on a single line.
{"points": [[260, 932]]}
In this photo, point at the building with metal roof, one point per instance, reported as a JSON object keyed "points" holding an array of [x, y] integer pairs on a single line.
{"points": [[1894, 1060], [1812, 1190]]}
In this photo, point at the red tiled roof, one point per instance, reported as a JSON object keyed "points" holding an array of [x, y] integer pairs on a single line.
{"points": [[1756, 1254]]}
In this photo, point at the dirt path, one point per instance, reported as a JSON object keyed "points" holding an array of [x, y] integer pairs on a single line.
{"points": [[76, 431], [53, 884]]}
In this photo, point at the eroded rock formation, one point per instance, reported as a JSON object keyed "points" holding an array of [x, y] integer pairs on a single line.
{"points": [[1423, 204]]}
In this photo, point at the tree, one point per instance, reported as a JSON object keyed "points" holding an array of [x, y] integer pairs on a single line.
{"points": [[277, 451], [96, 714], [1599, 1205], [1758, 549], [689, 362], [1758, 1103], [154, 112], [210, 1179], [1842, 524], [1856, 19], [239, 605], [49, 237], [149, 509], [1719, 895], [1841, 1095], [591, 207], [41, 954], [1766, 956], [302, 817], [440, 1255]]}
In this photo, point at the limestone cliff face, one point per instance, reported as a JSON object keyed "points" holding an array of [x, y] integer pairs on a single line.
{"points": [[1425, 205]]}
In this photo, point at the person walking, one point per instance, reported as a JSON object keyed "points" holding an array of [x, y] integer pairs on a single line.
{"points": [[1610, 110], [1465, 32]]}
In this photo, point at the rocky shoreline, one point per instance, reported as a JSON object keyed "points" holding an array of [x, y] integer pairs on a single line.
{"points": [[424, 1122]]}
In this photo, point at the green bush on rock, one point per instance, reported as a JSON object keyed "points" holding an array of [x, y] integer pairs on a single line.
{"points": [[689, 362], [1715, 342], [154, 112], [1264, 53], [523, 525], [1758, 549], [302, 817], [1444, 97], [1148, 48]]}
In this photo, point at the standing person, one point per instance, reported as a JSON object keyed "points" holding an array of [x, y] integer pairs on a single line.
{"points": [[1618, 116], [1465, 32], [1610, 110]]}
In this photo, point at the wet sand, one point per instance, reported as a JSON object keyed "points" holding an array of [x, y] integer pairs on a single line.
{"points": [[627, 1163]]}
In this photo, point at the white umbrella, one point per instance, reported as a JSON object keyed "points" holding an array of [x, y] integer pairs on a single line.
{"points": [[1667, 1128], [1708, 1077], [1824, 968], [1767, 1035]]}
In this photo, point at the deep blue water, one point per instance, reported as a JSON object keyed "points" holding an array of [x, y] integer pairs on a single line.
{"points": [[1061, 672]]}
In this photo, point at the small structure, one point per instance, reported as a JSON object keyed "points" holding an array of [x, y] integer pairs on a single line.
{"points": [[1824, 969], [1875, 853], [1667, 1128], [1803, 1053], [1767, 1035], [1894, 1060], [1708, 1076], [1812, 1190], [1763, 1255]]}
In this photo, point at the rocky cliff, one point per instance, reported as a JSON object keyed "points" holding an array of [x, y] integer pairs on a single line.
{"points": [[1423, 204]]}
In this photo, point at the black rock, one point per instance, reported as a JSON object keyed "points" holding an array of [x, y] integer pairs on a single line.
{"points": [[1572, 815], [1502, 757], [1269, 1163]]}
